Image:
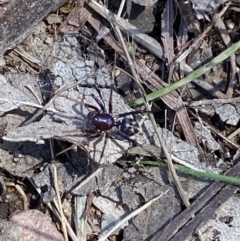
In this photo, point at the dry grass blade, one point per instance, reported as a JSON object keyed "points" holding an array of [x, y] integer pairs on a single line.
{"points": [[131, 215], [169, 160], [149, 43], [227, 40], [81, 217], [21, 192], [56, 213], [167, 30], [40, 112], [60, 210], [154, 82]]}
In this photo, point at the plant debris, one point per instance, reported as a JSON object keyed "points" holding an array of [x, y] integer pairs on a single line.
{"points": [[66, 66]]}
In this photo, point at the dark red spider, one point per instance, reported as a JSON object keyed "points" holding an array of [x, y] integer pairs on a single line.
{"points": [[99, 120]]}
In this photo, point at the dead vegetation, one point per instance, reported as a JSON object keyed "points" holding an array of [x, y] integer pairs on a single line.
{"points": [[176, 64]]}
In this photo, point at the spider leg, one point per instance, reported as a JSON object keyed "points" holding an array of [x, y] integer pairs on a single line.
{"points": [[110, 100], [80, 102], [99, 103], [104, 146], [92, 107], [92, 133], [133, 113], [134, 142]]}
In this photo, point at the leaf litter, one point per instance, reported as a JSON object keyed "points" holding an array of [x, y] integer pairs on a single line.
{"points": [[66, 123], [65, 120]]}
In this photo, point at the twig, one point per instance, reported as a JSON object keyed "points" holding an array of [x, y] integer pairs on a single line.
{"points": [[24, 197], [17, 102], [34, 93], [55, 212], [233, 134], [65, 88], [217, 132], [218, 59], [87, 179], [212, 102], [131, 215], [157, 130], [60, 210], [21, 192], [149, 43]]}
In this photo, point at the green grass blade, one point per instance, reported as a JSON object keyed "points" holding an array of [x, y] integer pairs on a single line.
{"points": [[206, 175], [195, 74]]}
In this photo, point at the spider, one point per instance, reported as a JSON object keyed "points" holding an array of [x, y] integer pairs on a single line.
{"points": [[99, 120]]}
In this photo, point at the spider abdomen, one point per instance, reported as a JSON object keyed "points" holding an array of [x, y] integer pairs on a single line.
{"points": [[102, 121]]}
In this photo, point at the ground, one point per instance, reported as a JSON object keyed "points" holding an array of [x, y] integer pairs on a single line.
{"points": [[55, 56]]}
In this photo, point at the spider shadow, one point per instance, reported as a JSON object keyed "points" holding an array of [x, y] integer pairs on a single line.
{"points": [[105, 138], [81, 111]]}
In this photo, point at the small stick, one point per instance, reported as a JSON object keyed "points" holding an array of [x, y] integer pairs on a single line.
{"points": [[227, 139], [55, 212], [142, 90], [213, 101], [65, 88], [233, 134], [59, 203], [17, 102], [34, 93], [131, 215], [21, 192], [85, 181]]}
